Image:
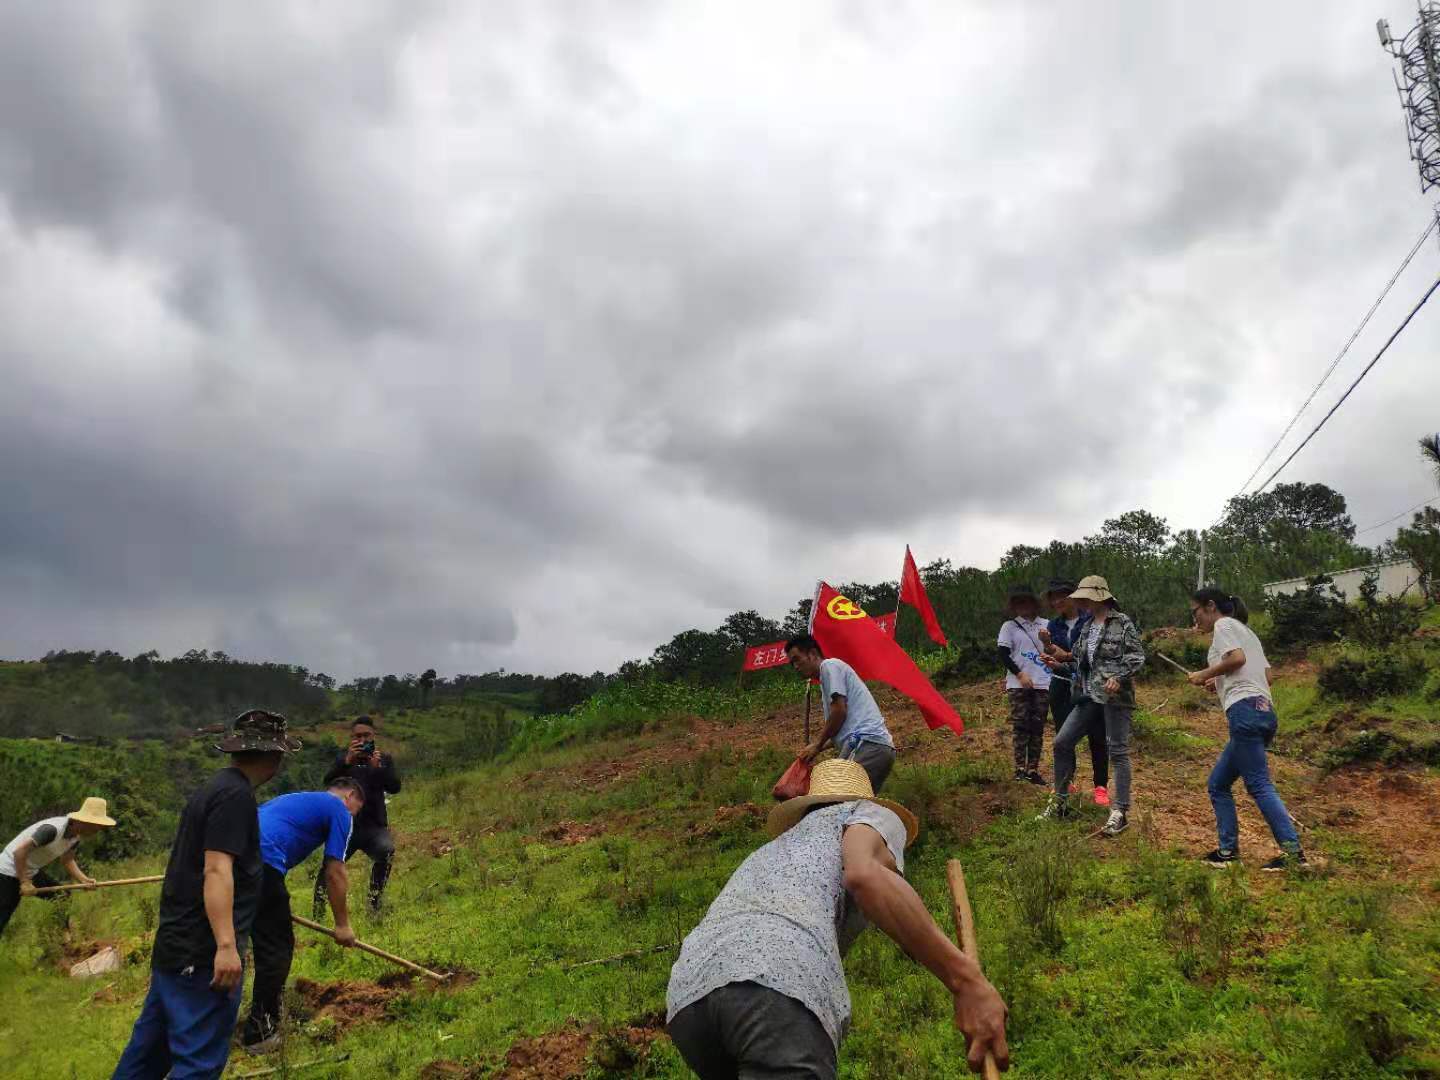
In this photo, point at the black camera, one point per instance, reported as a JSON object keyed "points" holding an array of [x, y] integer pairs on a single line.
{"points": [[367, 747]]}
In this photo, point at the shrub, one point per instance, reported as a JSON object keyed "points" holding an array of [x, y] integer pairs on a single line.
{"points": [[966, 663], [1312, 616], [1378, 622], [1366, 676], [1039, 877], [1202, 919]]}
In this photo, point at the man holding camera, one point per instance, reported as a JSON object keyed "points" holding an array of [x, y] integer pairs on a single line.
{"points": [[377, 777]]}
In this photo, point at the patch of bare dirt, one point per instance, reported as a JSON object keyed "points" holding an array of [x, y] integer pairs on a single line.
{"points": [[567, 1053], [434, 842], [447, 1069], [727, 818], [567, 833], [347, 1003]]}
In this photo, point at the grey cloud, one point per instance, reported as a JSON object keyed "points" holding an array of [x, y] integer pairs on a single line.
{"points": [[388, 336]]}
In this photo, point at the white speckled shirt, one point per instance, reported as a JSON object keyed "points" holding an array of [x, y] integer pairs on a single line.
{"points": [[784, 919]]}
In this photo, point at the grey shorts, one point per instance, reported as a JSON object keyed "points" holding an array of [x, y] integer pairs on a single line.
{"points": [[876, 759]]}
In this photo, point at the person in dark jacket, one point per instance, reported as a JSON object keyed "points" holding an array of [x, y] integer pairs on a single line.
{"points": [[376, 772]]}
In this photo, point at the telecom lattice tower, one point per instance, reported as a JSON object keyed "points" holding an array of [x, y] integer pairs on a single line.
{"points": [[1417, 80]]}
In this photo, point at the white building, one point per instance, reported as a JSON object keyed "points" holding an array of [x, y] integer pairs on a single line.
{"points": [[1397, 578]]}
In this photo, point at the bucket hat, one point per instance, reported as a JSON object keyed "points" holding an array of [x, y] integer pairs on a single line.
{"points": [[257, 729], [837, 781], [1093, 587]]}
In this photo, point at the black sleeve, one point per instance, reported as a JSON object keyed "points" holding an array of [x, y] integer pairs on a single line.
{"points": [[337, 770], [229, 824], [1004, 654], [389, 778], [45, 834]]}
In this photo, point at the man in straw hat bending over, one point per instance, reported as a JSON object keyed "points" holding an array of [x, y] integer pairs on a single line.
{"points": [[207, 908], [24, 858], [759, 989]]}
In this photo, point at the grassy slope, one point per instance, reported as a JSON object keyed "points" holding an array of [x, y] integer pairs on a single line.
{"points": [[1133, 963]]}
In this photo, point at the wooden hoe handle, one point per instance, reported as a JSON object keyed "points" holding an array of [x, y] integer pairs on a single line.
{"points": [[965, 931]]}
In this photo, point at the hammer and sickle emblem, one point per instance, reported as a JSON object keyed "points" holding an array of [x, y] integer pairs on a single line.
{"points": [[842, 607]]}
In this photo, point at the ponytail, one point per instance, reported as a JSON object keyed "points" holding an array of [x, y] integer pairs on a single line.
{"points": [[1226, 604]]}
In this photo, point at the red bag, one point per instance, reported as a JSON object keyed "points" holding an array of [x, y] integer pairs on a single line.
{"points": [[795, 782]]}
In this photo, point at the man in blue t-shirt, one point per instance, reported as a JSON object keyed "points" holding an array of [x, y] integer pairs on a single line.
{"points": [[291, 827], [853, 721]]}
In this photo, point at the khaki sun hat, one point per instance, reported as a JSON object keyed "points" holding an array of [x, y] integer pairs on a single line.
{"points": [[92, 812], [837, 781], [1093, 587]]}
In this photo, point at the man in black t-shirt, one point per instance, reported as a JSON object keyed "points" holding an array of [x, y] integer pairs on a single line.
{"points": [[377, 776], [207, 907]]}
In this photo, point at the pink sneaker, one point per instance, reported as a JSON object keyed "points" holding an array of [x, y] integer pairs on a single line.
{"points": [[1102, 797]]}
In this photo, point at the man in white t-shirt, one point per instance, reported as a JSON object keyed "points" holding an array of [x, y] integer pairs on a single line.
{"points": [[23, 861], [853, 722], [1027, 680]]}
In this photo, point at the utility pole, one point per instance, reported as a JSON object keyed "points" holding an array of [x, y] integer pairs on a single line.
{"points": [[1200, 577]]}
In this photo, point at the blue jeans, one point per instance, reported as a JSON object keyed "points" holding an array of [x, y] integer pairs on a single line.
{"points": [[184, 1029], [1252, 726]]}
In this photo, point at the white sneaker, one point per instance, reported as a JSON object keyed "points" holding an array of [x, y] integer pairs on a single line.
{"points": [[1116, 825]]}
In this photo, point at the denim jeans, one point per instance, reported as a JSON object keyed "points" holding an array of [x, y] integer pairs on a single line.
{"points": [[183, 1031], [1252, 726], [1110, 724]]}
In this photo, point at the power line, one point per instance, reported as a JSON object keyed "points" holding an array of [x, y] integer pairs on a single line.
{"points": [[1397, 517], [1340, 356], [1334, 408]]}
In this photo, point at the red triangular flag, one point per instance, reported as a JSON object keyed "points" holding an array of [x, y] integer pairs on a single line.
{"points": [[912, 592], [845, 632]]}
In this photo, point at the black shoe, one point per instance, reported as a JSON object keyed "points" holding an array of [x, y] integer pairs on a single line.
{"points": [[1035, 778], [262, 1035], [1057, 809], [1286, 860], [1219, 858], [1021, 774]]}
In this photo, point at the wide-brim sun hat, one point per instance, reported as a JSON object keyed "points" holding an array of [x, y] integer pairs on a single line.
{"points": [[93, 812], [1094, 588], [837, 781], [258, 729]]}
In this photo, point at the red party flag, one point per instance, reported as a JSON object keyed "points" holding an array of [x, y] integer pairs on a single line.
{"points": [[845, 632], [912, 592]]}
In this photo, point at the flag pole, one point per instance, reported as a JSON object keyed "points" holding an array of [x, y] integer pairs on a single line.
{"points": [[899, 589]]}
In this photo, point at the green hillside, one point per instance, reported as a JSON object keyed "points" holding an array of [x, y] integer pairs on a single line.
{"points": [[605, 837]]}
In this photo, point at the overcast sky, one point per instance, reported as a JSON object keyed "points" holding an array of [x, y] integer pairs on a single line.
{"points": [[380, 336]]}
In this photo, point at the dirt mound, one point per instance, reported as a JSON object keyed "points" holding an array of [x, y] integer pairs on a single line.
{"points": [[447, 1069], [566, 833], [433, 842], [568, 1053], [346, 1003]]}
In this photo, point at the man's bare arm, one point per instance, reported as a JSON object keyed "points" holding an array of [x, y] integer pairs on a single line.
{"points": [[890, 903], [219, 891], [73, 869], [833, 724], [337, 884], [22, 866]]}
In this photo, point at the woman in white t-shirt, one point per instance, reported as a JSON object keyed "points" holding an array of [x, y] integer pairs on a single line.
{"points": [[1237, 671]]}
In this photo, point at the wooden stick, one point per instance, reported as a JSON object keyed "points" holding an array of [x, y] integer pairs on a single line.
{"points": [[808, 685], [99, 884], [965, 931], [623, 956], [371, 949], [1173, 664], [272, 1070]]}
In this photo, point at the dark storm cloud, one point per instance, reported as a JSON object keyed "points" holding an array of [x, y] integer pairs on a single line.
{"points": [[385, 336]]}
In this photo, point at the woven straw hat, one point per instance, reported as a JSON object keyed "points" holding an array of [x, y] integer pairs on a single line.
{"points": [[92, 812], [837, 781], [1093, 587]]}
